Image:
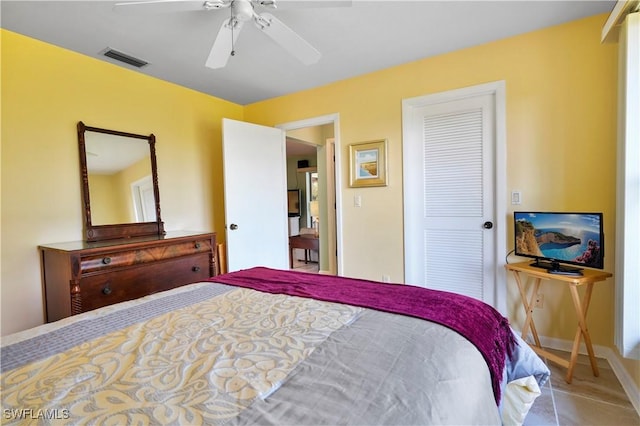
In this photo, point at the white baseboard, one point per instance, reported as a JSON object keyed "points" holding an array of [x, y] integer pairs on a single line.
{"points": [[605, 352], [626, 381]]}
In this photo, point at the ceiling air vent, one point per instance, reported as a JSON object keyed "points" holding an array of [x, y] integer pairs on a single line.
{"points": [[123, 57]]}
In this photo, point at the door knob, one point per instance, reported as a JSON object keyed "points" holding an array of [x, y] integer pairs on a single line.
{"points": [[487, 225], [233, 226]]}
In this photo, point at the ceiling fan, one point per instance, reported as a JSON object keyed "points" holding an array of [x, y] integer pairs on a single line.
{"points": [[241, 11]]}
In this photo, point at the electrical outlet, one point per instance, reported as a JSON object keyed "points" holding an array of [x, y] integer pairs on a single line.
{"points": [[539, 303], [386, 279]]}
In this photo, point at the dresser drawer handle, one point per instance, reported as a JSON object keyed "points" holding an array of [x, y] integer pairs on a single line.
{"points": [[106, 290], [195, 269], [106, 260], [197, 245]]}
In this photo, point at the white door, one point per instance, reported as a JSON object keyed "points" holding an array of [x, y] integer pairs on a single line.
{"points": [[450, 184], [255, 196]]}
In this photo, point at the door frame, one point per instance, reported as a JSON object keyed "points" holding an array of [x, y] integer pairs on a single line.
{"points": [[498, 90], [332, 169]]}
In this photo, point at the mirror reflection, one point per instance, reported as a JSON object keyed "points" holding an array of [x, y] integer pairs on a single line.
{"points": [[120, 179]]}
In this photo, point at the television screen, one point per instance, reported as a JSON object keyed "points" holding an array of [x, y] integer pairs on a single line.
{"points": [[574, 238], [293, 202]]}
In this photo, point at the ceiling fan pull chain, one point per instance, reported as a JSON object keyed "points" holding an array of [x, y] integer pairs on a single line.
{"points": [[232, 24]]}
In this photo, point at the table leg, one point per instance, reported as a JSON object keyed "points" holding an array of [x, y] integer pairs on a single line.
{"points": [[528, 306], [290, 256], [582, 331]]}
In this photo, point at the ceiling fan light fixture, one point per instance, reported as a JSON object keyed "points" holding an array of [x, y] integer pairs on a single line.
{"points": [[233, 24], [261, 22], [268, 3], [216, 4]]}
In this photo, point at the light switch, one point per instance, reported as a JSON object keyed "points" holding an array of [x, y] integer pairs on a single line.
{"points": [[516, 197], [357, 201]]}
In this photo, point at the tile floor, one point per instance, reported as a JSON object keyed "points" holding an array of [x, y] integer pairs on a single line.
{"points": [[299, 265], [588, 400]]}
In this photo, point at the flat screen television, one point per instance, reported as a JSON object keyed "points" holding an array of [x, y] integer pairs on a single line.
{"points": [[555, 239], [293, 202]]}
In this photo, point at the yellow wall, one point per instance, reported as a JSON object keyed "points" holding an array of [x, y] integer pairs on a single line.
{"points": [[45, 92], [108, 205]]}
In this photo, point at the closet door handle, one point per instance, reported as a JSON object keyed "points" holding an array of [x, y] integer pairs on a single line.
{"points": [[233, 226]]}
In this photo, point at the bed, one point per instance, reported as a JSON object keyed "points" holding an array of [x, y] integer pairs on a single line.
{"points": [[265, 346]]}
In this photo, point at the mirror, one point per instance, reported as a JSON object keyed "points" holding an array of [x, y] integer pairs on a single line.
{"points": [[119, 184]]}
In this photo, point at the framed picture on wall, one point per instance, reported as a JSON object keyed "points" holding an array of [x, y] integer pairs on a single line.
{"points": [[368, 164]]}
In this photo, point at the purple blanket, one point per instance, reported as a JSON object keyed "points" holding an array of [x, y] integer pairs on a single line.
{"points": [[478, 322]]}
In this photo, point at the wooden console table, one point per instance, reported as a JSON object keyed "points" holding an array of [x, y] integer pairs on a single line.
{"points": [[588, 278], [304, 241]]}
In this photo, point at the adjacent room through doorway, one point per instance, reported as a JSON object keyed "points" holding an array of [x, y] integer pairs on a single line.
{"points": [[311, 181]]}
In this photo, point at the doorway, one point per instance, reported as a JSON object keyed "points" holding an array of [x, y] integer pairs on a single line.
{"points": [[322, 135]]}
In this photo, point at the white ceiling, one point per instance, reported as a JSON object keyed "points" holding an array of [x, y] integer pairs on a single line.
{"points": [[364, 37]]}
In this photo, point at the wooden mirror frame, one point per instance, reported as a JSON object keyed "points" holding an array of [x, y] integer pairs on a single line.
{"points": [[119, 230]]}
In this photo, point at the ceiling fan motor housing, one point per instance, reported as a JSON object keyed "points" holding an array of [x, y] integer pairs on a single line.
{"points": [[242, 10]]}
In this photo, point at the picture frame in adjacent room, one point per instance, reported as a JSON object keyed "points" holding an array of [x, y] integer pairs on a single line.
{"points": [[368, 164]]}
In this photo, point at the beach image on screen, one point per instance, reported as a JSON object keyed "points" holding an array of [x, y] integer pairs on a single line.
{"points": [[566, 237]]}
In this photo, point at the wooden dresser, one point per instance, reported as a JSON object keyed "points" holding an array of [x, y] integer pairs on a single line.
{"points": [[80, 276]]}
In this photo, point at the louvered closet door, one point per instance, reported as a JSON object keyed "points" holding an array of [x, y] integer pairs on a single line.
{"points": [[449, 177]]}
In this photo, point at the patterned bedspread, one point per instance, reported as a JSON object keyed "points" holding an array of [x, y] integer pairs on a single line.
{"points": [[218, 354], [201, 363]]}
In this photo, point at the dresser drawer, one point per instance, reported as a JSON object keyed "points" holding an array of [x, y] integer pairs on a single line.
{"points": [[119, 259], [105, 289]]}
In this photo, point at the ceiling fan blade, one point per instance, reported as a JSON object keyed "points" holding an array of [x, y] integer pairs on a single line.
{"points": [[223, 45], [312, 4], [288, 39], [167, 6]]}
